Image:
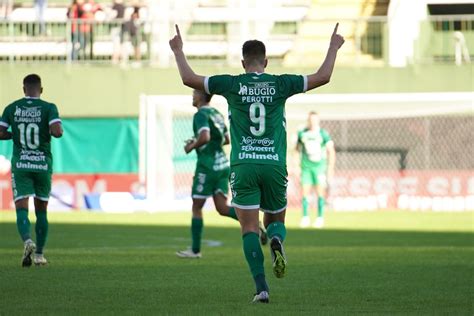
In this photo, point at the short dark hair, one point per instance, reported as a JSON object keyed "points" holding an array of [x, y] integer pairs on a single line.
{"points": [[254, 51], [313, 113], [32, 81]]}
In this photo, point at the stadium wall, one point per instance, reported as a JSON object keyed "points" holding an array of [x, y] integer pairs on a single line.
{"points": [[107, 91]]}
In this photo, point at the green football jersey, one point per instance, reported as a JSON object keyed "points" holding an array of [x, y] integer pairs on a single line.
{"points": [[30, 119], [257, 114], [211, 155], [313, 147]]}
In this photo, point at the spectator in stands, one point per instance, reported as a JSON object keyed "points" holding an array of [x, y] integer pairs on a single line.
{"points": [[6, 7], [75, 13], [40, 8], [131, 31], [90, 8], [117, 15]]}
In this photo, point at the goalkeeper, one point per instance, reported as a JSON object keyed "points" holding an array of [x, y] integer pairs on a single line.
{"points": [[318, 157]]}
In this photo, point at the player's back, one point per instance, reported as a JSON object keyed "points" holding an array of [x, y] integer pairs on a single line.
{"points": [[257, 114], [30, 119]]}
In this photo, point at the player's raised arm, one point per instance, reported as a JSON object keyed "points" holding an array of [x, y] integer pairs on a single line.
{"points": [[188, 76], [323, 75]]}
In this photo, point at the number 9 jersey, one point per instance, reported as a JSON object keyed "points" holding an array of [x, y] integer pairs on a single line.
{"points": [[30, 119], [257, 114]]}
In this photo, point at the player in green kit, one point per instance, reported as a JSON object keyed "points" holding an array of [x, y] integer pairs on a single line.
{"points": [[212, 169], [317, 166], [32, 121], [258, 176]]}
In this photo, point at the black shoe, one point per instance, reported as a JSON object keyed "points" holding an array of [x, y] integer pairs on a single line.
{"points": [[278, 257]]}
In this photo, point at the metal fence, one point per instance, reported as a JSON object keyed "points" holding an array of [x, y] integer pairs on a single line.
{"points": [[442, 39]]}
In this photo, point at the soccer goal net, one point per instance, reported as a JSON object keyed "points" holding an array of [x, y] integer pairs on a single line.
{"points": [[394, 151]]}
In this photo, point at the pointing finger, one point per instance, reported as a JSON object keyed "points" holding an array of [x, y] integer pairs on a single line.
{"points": [[335, 28], [177, 30]]}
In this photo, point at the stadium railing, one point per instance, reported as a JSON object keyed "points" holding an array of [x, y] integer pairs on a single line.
{"points": [[443, 39]]}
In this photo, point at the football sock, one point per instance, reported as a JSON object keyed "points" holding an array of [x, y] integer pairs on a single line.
{"points": [[23, 223], [41, 229], [321, 203], [254, 256], [232, 213], [277, 229], [305, 206], [196, 233]]}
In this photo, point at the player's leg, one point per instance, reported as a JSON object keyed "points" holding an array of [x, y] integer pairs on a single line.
{"points": [[22, 187], [274, 203], [305, 192], [42, 183], [197, 225], [320, 188], [41, 230], [246, 200], [221, 188]]}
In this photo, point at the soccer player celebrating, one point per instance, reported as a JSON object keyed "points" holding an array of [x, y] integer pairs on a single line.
{"points": [[317, 166], [212, 169], [33, 121], [258, 175]]}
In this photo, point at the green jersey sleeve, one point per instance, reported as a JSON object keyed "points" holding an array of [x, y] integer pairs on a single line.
{"points": [[292, 84], [53, 115], [220, 84], [200, 122], [325, 136], [5, 120]]}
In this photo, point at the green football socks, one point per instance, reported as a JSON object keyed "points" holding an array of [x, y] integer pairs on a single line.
{"points": [[277, 229], [41, 229], [196, 233], [254, 256], [321, 203], [232, 213], [23, 223], [305, 206]]}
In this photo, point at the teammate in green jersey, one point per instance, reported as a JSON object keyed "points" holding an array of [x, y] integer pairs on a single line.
{"points": [[317, 166], [33, 121], [258, 175], [212, 167]]}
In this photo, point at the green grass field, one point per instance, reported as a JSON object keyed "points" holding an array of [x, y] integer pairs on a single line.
{"points": [[364, 263]]}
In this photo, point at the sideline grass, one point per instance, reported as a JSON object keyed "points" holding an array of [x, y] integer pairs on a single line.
{"points": [[367, 263]]}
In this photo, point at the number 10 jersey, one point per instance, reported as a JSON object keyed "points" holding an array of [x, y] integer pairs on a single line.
{"points": [[30, 119], [257, 114]]}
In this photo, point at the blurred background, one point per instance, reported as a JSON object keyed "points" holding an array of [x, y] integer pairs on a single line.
{"points": [[399, 107]]}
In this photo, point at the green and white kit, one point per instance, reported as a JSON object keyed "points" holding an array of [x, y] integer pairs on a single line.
{"points": [[212, 169], [258, 135], [32, 163]]}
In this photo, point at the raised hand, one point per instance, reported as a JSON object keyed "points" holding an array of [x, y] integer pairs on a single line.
{"points": [[336, 39], [176, 43]]}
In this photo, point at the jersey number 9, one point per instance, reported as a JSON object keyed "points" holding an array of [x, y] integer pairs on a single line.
{"points": [[257, 119]]}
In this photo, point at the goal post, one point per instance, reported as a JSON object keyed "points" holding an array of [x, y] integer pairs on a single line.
{"points": [[394, 150]]}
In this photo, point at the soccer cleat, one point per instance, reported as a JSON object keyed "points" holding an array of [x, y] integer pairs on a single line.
{"points": [[39, 259], [278, 257], [263, 234], [30, 247], [305, 221], [319, 222], [188, 253], [261, 297]]}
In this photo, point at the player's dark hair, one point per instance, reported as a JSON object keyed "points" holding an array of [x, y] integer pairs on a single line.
{"points": [[32, 81], [254, 51], [313, 113], [207, 97]]}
